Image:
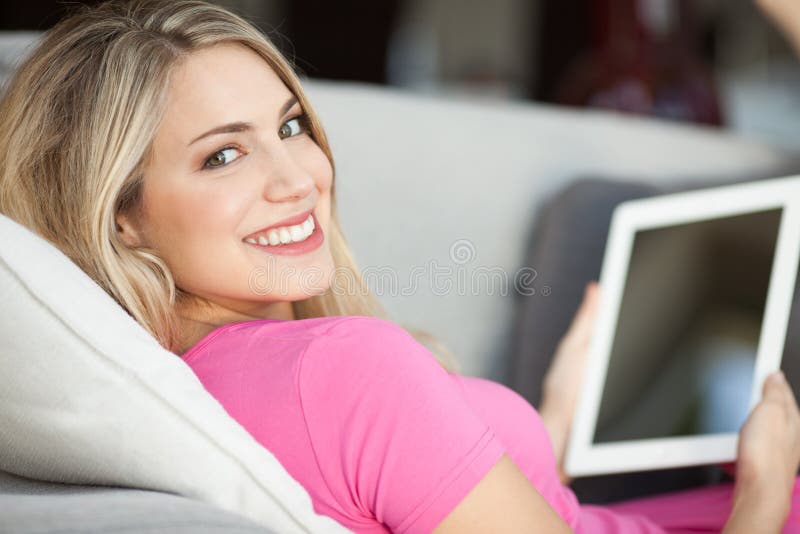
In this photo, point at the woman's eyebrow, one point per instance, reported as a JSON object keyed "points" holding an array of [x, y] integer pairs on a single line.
{"points": [[287, 106], [242, 126], [225, 128]]}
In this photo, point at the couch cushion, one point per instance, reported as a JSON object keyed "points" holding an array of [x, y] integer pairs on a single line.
{"points": [[28, 506], [90, 397]]}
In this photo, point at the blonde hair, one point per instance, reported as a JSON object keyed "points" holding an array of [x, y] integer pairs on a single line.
{"points": [[77, 121]]}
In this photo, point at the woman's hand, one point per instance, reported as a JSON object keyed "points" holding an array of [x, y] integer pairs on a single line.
{"points": [[768, 458], [563, 379], [785, 14]]}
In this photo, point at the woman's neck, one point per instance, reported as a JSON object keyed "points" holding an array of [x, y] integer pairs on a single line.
{"points": [[195, 325]]}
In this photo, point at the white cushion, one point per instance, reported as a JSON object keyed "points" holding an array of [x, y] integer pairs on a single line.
{"points": [[88, 396]]}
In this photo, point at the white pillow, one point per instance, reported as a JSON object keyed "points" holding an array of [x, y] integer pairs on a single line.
{"points": [[88, 396]]}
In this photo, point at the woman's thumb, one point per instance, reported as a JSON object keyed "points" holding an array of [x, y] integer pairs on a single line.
{"points": [[774, 384], [589, 292]]}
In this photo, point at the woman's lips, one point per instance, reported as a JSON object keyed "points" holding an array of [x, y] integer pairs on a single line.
{"points": [[289, 221], [311, 243]]}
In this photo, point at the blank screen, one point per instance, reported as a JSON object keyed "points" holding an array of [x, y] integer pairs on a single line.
{"points": [[685, 343]]}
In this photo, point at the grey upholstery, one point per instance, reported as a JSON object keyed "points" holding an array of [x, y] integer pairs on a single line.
{"points": [[30, 506]]}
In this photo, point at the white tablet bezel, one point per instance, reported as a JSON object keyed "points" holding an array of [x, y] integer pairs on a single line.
{"points": [[584, 458]]}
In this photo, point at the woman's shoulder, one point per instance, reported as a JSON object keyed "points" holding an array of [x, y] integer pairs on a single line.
{"points": [[360, 354], [368, 338], [257, 334], [326, 332], [390, 427], [360, 325], [315, 326]]}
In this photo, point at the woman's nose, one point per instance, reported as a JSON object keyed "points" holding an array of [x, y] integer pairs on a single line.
{"points": [[287, 179]]}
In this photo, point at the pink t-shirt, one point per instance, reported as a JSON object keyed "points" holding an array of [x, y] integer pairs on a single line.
{"points": [[378, 433]]}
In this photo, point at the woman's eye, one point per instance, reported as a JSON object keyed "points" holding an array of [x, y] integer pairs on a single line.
{"points": [[293, 127], [221, 158]]}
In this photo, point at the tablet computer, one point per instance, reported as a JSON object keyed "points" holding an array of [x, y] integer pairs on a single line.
{"points": [[696, 294]]}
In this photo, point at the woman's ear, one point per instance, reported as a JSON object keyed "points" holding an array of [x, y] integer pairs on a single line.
{"points": [[128, 231]]}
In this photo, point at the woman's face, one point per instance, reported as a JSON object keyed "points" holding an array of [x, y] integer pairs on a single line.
{"points": [[232, 158]]}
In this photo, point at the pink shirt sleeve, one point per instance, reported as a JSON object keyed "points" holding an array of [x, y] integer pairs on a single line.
{"points": [[391, 431]]}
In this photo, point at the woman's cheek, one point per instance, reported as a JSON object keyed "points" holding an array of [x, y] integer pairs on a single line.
{"points": [[320, 167]]}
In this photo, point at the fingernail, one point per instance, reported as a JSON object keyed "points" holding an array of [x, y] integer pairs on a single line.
{"points": [[778, 376]]}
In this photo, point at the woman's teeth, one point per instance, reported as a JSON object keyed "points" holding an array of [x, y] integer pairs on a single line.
{"points": [[285, 234]]}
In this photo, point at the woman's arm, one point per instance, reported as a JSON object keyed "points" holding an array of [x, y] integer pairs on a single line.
{"points": [[504, 501]]}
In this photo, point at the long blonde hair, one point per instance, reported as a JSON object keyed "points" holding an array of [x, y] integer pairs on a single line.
{"points": [[77, 120]]}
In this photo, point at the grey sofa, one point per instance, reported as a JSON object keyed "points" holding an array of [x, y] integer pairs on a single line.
{"points": [[494, 187], [31, 506]]}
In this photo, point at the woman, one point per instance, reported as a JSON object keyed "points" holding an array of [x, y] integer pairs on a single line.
{"points": [[169, 150]]}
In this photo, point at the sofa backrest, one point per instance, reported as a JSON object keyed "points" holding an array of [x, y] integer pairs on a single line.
{"points": [[436, 194]]}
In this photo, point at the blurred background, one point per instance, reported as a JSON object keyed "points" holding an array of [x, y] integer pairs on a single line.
{"points": [[713, 62], [719, 65]]}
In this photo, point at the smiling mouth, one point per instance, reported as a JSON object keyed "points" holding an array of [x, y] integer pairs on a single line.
{"points": [[284, 235]]}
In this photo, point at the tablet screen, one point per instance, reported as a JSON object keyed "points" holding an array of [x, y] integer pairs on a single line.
{"points": [[684, 347]]}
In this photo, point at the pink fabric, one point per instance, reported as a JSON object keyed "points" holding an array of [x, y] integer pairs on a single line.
{"points": [[385, 440]]}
